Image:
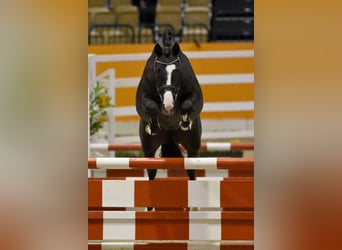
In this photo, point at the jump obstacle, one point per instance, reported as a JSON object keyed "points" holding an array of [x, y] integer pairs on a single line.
{"points": [[230, 193], [223, 219], [209, 163], [208, 146], [232, 219]]}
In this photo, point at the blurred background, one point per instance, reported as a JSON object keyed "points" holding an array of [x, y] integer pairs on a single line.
{"points": [[143, 21]]}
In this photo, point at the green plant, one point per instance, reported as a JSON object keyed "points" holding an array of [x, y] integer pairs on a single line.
{"points": [[99, 102]]}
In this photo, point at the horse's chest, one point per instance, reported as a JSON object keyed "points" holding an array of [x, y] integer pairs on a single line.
{"points": [[169, 122]]}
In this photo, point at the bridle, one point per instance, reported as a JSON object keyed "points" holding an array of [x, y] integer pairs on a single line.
{"points": [[164, 63], [161, 90]]}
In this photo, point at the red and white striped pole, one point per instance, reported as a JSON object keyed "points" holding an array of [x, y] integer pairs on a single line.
{"points": [[210, 163], [207, 146]]}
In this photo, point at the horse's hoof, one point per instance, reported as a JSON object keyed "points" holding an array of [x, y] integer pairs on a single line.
{"points": [[185, 125], [149, 131], [185, 128]]}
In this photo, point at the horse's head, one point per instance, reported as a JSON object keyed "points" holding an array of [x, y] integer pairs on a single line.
{"points": [[167, 66]]}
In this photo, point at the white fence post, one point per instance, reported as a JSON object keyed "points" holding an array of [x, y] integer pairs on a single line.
{"points": [[91, 69], [111, 115]]}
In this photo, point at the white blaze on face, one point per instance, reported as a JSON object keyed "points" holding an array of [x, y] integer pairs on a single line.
{"points": [[168, 97]]}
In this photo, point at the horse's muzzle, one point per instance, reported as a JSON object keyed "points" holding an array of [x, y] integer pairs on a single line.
{"points": [[168, 102], [167, 112]]}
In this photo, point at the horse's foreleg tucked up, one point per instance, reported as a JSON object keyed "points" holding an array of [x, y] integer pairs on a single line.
{"points": [[153, 127]]}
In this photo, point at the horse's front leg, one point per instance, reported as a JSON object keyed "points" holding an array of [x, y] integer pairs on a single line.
{"points": [[191, 140], [186, 109], [150, 143], [153, 127], [192, 131]]}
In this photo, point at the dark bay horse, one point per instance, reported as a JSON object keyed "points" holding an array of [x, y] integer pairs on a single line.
{"points": [[169, 101]]}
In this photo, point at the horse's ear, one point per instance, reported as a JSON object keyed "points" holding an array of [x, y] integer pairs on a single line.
{"points": [[175, 49], [158, 50]]}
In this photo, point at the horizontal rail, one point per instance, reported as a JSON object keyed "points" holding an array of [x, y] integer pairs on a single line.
{"points": [[245, 78], [210, 163], [208, 107], [216, 135], [164, 173], [180, 244], [230, 193], [171, 225], [208, 146], [189, 54]]}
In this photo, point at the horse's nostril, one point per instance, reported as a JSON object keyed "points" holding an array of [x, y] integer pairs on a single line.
{"points": [[168, 108]]}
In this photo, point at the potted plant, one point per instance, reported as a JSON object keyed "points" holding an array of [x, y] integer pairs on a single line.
{"points": [[99, 102]]}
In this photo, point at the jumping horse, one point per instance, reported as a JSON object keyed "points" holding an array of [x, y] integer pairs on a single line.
{"points": [[169, 101]]}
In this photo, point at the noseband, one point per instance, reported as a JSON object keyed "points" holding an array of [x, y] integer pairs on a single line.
{"points": [[161, 90], [165, 63]]}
